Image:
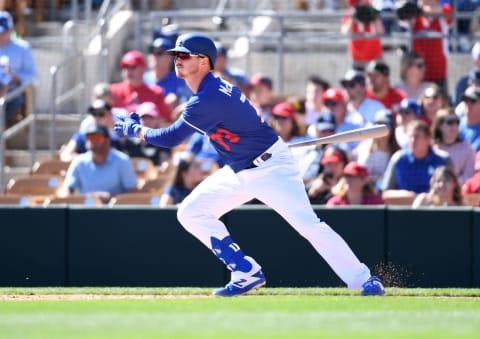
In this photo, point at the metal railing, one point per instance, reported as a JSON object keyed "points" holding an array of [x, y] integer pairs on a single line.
{"points": [[28, 121], [56, 99]]}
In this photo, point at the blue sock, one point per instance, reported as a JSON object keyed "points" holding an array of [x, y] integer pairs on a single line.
{"points": [[230, 254]]}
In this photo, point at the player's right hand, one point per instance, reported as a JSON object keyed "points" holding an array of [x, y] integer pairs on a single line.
{"points": [[128, 126]]}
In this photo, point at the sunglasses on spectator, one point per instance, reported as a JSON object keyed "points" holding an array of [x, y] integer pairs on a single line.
{"points": [[405, 112], [98, 114], [187, 56], [279, 117], [331, 103], [451, 122], [350, 84], [434, 97], [418, 64], [470, 101], [95, 137]]}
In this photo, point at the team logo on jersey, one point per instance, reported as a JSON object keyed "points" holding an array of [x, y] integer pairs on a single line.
{"points": [[223, 137]]}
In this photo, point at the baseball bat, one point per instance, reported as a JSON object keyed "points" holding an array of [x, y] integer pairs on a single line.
{"points": [[376, 131]]}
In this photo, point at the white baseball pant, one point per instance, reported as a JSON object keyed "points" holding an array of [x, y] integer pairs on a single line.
{"points": [[278, 184]]}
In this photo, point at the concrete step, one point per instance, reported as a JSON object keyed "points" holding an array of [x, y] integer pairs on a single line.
{"points": [[65, 126]]}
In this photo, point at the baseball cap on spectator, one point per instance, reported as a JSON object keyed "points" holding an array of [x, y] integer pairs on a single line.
{"points": [[477, 161], [384, 116], [476, 51], [474, 76], [283, 109], [160, 43], [333, 154], [97, 105], [379, 67], [132, 58], [98, 129], [147, 108], [221, 49], [409, 104], [6, 21], [353, 168], [325, 122], [471, 93], [261, 79], [333, 94], [351, 77]]}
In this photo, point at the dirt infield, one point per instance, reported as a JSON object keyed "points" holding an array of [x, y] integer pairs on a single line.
{"points": [[30, 297]]}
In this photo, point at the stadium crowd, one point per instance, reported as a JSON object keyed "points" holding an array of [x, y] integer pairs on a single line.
{"points": [[430, 157]]}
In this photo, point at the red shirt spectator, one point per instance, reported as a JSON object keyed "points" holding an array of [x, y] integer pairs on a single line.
{"points": [[379, 87], [433, 50], [132, 91], [363, 49], [472, 185]]}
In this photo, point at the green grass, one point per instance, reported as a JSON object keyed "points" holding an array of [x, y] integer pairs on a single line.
{"points": [[268, 313]]}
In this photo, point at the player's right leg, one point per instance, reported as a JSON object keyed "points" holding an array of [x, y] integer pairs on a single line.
{"points": [[200, 214]]}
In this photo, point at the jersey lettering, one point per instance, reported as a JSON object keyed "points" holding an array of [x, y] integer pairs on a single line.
{"points": [[222, 136], [226, 88]]}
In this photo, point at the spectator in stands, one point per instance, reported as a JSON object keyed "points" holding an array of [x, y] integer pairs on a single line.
{"points": [[379, 87], [434, 20], [470, 121], [187, 175], [446, 137], [162, 74], [260, 92], [132, 91], [101, 171], [445, 190], [222, 68], [314, 89], [472, 184], [99, 113], [412, 75], [333, 161], [471, 78], [375, 153], [354, 188], [136, 147], [334, 100], [362, 21], [308, 158], [409, 170], [431, 101], [408, 111], [18, 65], [355, 84], [284, 123]]}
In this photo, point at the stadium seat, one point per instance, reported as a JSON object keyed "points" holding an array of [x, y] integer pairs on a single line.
{"points": [[152, 199], [50, 166], [471, 199], [16, 199], [40, 186], [144, 169], [73, 200]]}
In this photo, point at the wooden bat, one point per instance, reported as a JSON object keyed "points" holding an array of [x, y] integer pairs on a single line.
{"points": [[376, 131]]}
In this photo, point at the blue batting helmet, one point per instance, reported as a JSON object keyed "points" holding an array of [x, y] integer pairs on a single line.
{"points": [[196, 43]]}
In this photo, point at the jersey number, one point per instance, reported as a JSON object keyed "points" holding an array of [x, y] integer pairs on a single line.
{"points": [[223, 135]]}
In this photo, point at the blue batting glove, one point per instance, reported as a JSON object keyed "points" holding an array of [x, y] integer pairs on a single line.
{"points": [[128, 127]]}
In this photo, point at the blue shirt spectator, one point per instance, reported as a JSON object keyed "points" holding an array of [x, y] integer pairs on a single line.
{"points": [[470, 121], [17, 60], [101, 170]]}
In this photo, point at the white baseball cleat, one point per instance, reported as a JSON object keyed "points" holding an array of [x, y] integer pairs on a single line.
{"points": [[242, 282]]}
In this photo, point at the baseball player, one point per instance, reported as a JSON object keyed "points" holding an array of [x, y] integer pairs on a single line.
{"points": [[259, 165]]}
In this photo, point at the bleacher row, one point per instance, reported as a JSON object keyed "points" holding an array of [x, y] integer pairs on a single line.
{"points": [[40, 186]]}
